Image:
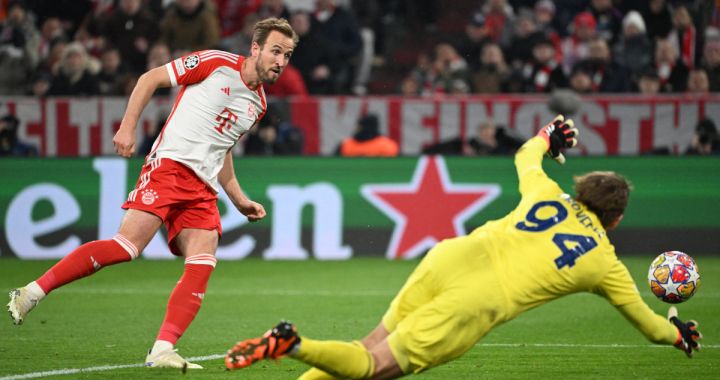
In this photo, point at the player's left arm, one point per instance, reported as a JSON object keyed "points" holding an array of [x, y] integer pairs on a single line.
{"points": [[254, 211], [620, 290]]}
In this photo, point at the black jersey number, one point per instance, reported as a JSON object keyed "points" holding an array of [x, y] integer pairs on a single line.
{"points": [[579, 244]]}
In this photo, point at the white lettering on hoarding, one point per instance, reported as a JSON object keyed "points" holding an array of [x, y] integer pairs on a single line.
{"points": [[629, 117], [21, 229], [288, 203], [233, 219], [83, 116], [415, 134]]}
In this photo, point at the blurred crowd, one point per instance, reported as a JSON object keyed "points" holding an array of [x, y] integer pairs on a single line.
{"points": [[414, 48], [100, 47], [649, 47]]}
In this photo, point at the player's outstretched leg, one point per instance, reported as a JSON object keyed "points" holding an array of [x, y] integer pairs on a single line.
{"points": [[167, 357], [275, 343], [83, 261], [22, 300]]}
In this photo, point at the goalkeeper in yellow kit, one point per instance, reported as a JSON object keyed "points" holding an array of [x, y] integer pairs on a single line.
{"points": [[549, 246]]}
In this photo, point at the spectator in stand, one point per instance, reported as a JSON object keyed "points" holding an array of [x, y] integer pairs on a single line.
{"points": [[410, 86], [684, 36], [489, 140], [544, 74], [19, 41], [491, 77], [312, 55], [273, 137], [575, 47], [241, 40], [565, 13], [191, 25], [367, 141], [648, 82], [50, 31], [233, 14], [672, 71], [519, 52], [111, 75], [425, 76], [544, 12], [10, 145], [711, 62], [658, 19], [581, 80], [499, 19], [634, 50], [607, 76], [158, 55], [608, 19], [475, 37], [273, 8], [75, 74], [132, 29], [291, 83], [340, 30], [698, 82], [706, 140], [450, 71], [71, 13], [493, 140]]}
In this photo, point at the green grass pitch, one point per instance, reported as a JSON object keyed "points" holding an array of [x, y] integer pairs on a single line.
{"points": [[106, 323]]}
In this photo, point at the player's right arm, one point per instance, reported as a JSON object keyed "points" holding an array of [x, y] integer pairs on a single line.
{"points": [[620, 290], [124, 139]]}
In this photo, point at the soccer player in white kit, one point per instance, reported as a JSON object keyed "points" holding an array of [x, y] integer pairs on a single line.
{"points": [[221, 98]]}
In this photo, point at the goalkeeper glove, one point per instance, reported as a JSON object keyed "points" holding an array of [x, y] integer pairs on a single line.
{"points": [[559, 134], [689, 334]]}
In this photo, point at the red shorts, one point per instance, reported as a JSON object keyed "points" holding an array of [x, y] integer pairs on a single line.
{"points": [[176, 195]]}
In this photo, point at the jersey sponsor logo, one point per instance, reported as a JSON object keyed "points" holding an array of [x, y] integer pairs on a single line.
{"points": [[179, 67], [148, 196], [226, 119], [191, 62]]}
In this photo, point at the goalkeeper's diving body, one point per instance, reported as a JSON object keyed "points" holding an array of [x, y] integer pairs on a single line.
{"points": [[549, 246]]}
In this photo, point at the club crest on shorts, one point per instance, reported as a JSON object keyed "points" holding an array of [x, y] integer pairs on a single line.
{"points": [[148, 196], [191, 62]]}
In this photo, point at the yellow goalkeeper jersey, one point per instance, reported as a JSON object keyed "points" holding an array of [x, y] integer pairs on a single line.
{"points": [[551, 245]]}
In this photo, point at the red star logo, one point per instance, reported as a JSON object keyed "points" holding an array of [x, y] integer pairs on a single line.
{"points": [[428, 209]]}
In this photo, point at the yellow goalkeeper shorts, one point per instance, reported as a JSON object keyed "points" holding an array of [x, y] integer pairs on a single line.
{"points": [[448, 303]]}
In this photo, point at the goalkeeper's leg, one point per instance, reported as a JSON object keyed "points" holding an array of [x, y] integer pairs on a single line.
{"points": [[374, 338]]}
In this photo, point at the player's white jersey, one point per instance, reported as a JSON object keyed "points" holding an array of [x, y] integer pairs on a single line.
{"points": [[212, 111]]}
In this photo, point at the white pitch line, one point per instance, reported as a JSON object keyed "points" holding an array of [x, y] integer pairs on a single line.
{"points": [[570, 345], [72, 371], [286, 292], [102, 368], [234, 292]]}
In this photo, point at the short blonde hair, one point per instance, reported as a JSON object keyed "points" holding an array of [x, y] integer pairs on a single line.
{"points": [[262, 30], [605, 193]]}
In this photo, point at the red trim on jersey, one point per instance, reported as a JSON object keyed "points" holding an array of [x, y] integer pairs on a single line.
{"points": [[209, 61], [240, 62], [162, 131], [263, 102]]}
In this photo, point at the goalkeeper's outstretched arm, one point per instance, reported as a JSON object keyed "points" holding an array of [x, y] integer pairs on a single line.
{"points": [[551, 139], [683, 335]]}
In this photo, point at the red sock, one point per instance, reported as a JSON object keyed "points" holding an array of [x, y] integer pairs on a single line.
{"points": [[86, 260], [185, 300]]}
